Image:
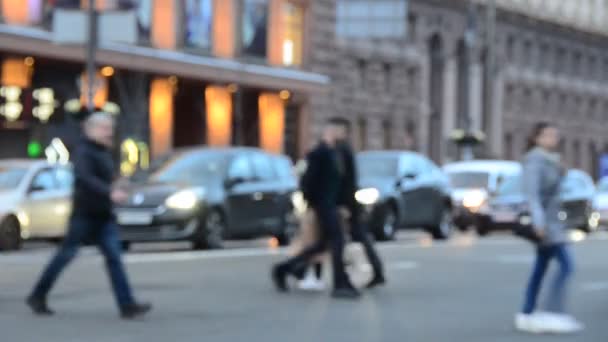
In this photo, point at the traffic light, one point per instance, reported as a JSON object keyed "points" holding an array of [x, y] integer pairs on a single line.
{"points": [[34, 149]]}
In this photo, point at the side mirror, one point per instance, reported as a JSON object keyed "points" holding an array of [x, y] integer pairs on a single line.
{"points": [[409, 176], [36, 188], [405, 177], [232, 182]]}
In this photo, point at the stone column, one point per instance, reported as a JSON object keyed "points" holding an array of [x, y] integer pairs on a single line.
{"points": [[494, 137], [450, 102], [476, 95], [423, 110]]}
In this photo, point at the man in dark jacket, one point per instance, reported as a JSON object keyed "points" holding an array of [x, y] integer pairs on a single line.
{"points": [[321, 187], [346, 199], [92, 219]]}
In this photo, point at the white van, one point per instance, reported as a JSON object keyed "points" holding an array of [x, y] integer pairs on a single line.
{"points": [[473, 183]]}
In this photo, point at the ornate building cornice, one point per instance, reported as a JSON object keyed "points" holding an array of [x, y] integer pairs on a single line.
{"points": [[584, 15]]}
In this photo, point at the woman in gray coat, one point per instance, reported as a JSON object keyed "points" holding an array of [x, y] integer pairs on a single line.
{"points": [[542, 177]]}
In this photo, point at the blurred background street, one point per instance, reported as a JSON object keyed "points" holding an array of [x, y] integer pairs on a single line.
{"points": [[463, 290], [216, 104]]}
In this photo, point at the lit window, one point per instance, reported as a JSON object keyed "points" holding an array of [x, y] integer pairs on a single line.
{"points": [[22, 12], [199, 14], [254, 28], [293, 23], [144, 19]]}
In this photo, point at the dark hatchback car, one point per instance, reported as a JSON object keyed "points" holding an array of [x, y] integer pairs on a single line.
{"points": [[206, 195], [508, 206], [403, 190]]}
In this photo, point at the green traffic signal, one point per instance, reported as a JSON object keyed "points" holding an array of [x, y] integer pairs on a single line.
{"points": [[34, 149]]}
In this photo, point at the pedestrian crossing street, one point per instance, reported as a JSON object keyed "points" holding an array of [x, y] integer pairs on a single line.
{"points": [[178, 252]]}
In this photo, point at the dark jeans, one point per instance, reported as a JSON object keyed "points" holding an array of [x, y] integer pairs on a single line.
{"points": [[557, 293], [359, 234], [105, 234], [332, 235]]}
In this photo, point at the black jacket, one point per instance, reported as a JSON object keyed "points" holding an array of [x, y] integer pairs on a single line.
{"points": [[348, 186], [94, 172], [320, 184]]}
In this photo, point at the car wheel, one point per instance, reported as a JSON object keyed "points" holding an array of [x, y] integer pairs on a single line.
{"points": [[288, 228], [586, 229], [10, 234], [444, 229], [211, 231], [387, 229], [463, 228]]}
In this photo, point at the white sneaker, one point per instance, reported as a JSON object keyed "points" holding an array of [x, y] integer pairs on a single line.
{"points": [[311, 283], [559, 323], [528, 323]]}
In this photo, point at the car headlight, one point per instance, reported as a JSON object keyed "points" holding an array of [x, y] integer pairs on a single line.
{"points": [[474, 200], [182, 200], [298, 201], [367, 196]]}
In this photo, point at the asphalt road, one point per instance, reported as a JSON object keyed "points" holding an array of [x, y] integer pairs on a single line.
{"points": [[463, 290]]}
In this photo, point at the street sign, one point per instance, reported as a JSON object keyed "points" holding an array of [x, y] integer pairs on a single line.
{"points": [[114, 27]]}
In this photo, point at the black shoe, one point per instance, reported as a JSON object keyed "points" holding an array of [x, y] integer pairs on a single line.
{"points": [[135, 310], [279, 277], [346, 293], [39, 306], [377, 281]]}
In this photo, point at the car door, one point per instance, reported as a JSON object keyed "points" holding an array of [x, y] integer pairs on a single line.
{"points": [[63, 205], [42, 204], [268, 193], [241, 204], [419, 194]]}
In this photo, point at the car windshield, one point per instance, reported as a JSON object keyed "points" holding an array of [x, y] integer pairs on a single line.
{"points": [[510, 186], [190, 168], [377, 166], [10, 177], [573, 185], [469, 180]]}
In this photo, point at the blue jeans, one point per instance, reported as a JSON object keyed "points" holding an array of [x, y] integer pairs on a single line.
{"points": [[105, 234], [557, 293]]}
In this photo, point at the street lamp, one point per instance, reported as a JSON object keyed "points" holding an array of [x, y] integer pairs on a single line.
{"points": [[91, 52], [466, 137]]}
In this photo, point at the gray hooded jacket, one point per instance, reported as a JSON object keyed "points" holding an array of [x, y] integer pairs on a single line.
{"points": [[542, 177]]}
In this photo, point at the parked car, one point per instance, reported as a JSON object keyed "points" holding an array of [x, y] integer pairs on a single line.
{"points": [[205, 195], [403, 190], [600, 202], [473, 184], [578, 192], [35, 201], [508, 206]]}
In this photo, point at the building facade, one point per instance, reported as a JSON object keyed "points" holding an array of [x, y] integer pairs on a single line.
{"points": [[413, 87], [267, 73], [176, 72]]}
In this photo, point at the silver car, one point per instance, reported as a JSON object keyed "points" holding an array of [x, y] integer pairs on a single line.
{"points": [[35, 201]]}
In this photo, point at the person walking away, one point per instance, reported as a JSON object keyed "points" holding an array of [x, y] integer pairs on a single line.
{"points": [[320, 187], [542, 176], [92, 219], [346, 199]]}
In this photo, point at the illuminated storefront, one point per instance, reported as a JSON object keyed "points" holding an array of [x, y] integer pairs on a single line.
{"points": [[232, 75]]}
